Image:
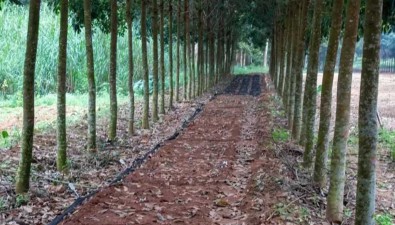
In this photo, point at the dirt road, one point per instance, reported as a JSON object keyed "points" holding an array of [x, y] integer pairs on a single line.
{"points": [[218, 171]]}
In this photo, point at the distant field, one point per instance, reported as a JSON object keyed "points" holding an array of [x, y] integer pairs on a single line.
{"points": [[386, 99]]}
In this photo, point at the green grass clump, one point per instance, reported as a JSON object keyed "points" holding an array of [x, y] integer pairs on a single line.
{"points": [[280, 135], [384, 219], [387, 139]]}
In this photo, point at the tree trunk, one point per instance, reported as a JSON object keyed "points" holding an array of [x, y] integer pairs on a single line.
{"points": [[155, 71], [367, 121], [23, 174], [145, 121], [200, 50], [178, 50], [338, 162], [171, 54], [61, 160], [298, 72], [310, 93], [265, 53], [129, 21], [289, 48], [320, 168], [291, 95], [91, 77], [186, 48], [162, 59], [112, 78]]}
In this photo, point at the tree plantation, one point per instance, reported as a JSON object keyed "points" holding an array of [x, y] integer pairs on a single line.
{"points": [[197, 112]]}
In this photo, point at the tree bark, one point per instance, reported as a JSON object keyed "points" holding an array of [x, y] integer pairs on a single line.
{"points": [[171, 54], [112, 78], [162, 59], [129, 21], [310, 93], [338, 162], [178, 50], [91, 77], [24, 168], [155, 71], [145, 121], [186, 48], [291, 95], [61, 160], [320, 167], [367, 120], [298, 72]]}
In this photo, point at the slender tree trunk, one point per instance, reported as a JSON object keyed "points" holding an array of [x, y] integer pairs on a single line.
{"points": [[291, 96], [129, 21], [61, 160], [367, 120], [200, 50], [298, 73], [24, 168], [145, 121], [162, 59], [113, 72], [191, 53], [287, 82], [186, 48], [155, 116], [310, 93], [338, 162], [282, 61], [91, 77], [178, 50], [171, 54], [320, 168], [265, 53]]}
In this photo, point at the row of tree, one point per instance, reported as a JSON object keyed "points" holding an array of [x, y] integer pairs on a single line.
{"points": [[205, 41], [290, 38]]}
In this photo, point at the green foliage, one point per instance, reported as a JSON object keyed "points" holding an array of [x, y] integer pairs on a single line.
{"points": [[384, 219], [13, 28], [4, 134], [249, 69], [280, 135], [2, 204], [387, 139], [139, 86], [21, 199]]}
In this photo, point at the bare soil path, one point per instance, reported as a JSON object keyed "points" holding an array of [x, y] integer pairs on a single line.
{"points": [[218, 171]]}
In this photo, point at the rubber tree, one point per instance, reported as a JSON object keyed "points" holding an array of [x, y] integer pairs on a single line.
{"points": [[155, 61], [298, 71], [291, 92], [91, 145], [338, 159], [61, 135], [320, 165], [145, 121], [200, 49], [290, 37], [162, 57], [24, 168], [310, 93], [186, 48], [129, 22], [171, 80], [112, 76], [178, 50], [367, 120]]}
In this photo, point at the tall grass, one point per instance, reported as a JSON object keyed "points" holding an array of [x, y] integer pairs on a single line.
{"points": [[13, 28]]}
